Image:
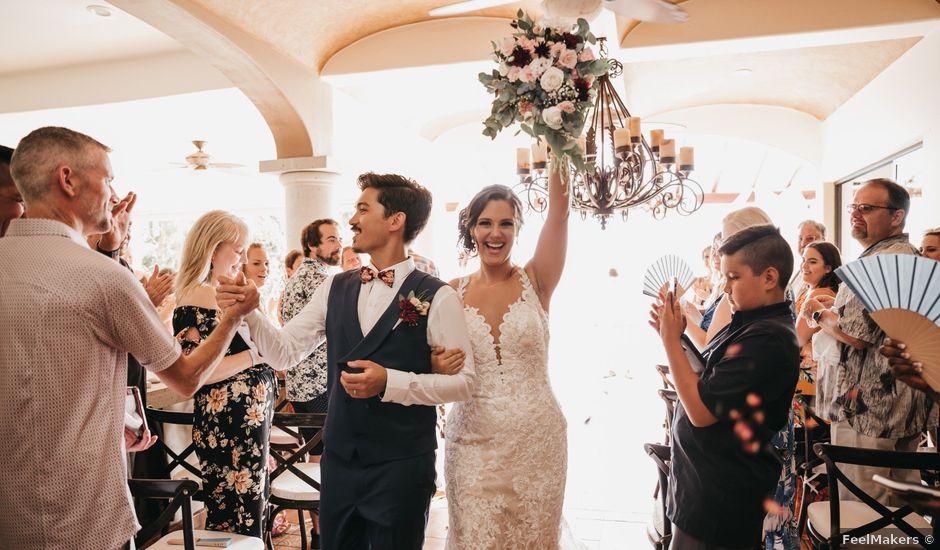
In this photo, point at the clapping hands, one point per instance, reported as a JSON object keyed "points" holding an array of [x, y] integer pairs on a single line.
{"points": [[666, 317], [120, 223], [158, 286], [237, 296]]}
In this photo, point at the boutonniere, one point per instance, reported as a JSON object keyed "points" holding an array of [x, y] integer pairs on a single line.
{"points": [[412, 306]]}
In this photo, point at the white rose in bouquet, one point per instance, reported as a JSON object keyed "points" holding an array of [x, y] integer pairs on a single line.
{"points": [[552, 79], [552, 117], [539, 65]]}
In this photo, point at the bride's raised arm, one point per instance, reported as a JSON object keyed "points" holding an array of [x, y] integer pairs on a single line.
{"points": [[548, 262]]}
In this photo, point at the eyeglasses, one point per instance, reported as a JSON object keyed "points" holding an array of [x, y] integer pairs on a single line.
{"points": [[866, 208]]}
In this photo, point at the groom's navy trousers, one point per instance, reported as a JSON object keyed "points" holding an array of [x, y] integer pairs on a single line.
{"points": [[377, 471], [378, 507]]}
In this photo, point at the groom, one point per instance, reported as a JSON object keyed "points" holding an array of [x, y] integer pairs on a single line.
{"points": [[378, 464]]}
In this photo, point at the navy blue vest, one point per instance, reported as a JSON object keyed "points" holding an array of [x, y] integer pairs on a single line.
{"points": [[376, 431]]}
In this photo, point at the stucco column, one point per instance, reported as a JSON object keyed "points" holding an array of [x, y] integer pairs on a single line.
{"points": [[309, 192]]}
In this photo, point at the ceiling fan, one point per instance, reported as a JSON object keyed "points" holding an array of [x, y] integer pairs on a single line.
{"points": [[200, 160], [655, 11]]}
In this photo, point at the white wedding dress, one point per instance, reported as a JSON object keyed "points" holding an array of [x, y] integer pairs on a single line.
{"points": [[506, 447]]}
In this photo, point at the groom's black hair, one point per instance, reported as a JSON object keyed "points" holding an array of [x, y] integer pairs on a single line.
{"points": [[401, 194]]}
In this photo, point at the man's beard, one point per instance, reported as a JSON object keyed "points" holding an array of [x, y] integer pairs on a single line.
{"points": [[332, 259], [859, 233]]}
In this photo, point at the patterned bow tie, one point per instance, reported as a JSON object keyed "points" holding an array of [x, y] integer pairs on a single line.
{"points": [[367, 274]]}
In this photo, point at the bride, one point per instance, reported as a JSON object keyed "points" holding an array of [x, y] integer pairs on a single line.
{"points": [[506, 447]]}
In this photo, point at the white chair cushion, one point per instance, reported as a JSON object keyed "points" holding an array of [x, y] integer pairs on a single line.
{"points": [[853, 514], [183, 473], [280, 437], [288, 485], [239, 542]]}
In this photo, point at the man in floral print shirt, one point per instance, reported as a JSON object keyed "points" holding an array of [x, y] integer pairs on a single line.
{"points": [[867, 406], [306, 383]]}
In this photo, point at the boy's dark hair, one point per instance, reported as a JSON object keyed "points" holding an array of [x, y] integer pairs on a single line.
{"points": [[6, 178], [6, 154], [898, 197], [401, 194], [762, 246], [470, 215], [310, 236]]}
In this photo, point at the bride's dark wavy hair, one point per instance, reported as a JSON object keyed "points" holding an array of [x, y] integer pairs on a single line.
{"points": [[471, 214]]}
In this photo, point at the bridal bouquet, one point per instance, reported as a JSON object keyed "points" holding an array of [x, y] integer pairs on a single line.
{"points": [[544, 80]]}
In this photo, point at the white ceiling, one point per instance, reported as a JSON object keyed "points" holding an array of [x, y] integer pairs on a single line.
{"points": [[57, 33]]}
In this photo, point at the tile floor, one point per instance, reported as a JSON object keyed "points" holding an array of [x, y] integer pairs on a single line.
{"points": [[595, 529]]}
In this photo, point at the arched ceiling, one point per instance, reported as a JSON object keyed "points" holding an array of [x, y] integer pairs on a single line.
{"points": [[804, 55], [813, 80], [312, 32]]}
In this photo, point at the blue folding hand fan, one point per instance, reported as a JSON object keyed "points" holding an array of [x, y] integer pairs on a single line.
{"points": [[662, 271], [902, 294]]}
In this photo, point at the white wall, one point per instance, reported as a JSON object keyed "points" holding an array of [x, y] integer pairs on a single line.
{"points": [[897, 109]]}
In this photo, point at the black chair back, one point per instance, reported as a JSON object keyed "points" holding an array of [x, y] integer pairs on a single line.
{"points": [[669, 397], [179, 493], [834, 455], [175, 458], [661, 455], [288, 461]]}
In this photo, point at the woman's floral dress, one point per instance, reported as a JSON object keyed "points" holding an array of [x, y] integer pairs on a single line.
{"points": [[231, 431]]}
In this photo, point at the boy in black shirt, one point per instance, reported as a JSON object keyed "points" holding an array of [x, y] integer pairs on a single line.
{"points": [[723, 466]]}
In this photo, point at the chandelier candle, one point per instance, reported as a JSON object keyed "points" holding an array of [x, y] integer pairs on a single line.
{"points": [[667, 151], [540, 155], [522, 160], [622, 139], [635, 132], [656, 139], [686, 159]]}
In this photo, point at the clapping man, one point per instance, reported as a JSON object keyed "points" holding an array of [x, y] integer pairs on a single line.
{"points": [[68, 319]]}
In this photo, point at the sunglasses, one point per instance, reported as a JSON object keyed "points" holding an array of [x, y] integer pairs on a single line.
{"points": [[866, 208]]}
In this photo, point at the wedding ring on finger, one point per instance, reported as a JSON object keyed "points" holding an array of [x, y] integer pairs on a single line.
{"points": [[355, 393]]}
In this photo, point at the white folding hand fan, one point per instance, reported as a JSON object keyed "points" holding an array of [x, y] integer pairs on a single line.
{"points": [[902, 294], [662, 271]]}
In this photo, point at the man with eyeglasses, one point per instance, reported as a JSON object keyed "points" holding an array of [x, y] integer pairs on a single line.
{"points": [[870, 409]]}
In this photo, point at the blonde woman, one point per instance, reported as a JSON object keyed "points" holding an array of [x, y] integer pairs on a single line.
{"points": [[234, 409], [731, 224]]}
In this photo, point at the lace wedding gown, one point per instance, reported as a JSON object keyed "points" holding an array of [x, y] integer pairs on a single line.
{"points": [[506, 448]]}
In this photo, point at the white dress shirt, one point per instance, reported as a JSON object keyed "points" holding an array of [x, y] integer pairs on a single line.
{"points": [[446, 327]]}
